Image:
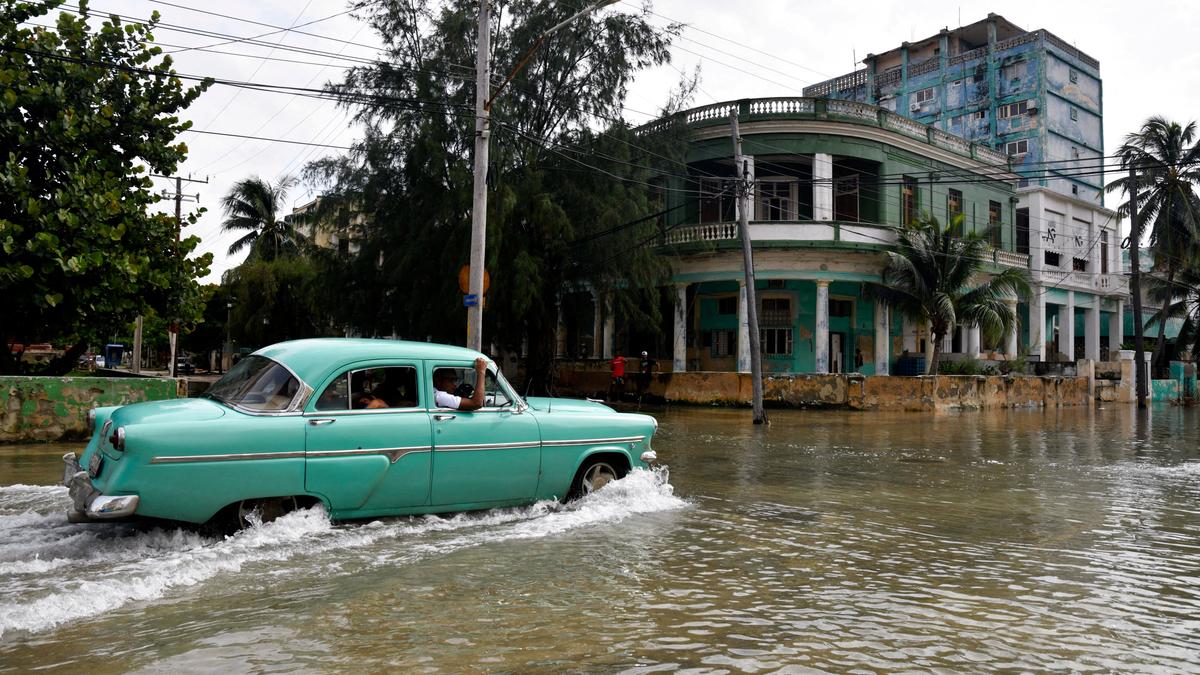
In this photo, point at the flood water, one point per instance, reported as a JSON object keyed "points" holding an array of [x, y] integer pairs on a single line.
{"points": [[836, 541]]}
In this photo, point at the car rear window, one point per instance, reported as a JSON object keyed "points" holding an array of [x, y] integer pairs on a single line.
{"points": [[368, 388], [256, 383]]}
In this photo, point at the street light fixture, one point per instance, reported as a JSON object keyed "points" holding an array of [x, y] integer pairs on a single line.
{"points": [[484, 97]]}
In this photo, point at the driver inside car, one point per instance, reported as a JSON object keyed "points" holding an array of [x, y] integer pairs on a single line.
{"points": [[446, 396]]}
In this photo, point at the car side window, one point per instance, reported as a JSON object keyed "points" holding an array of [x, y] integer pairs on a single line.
{"points": [[371, 388], [464, 386]]}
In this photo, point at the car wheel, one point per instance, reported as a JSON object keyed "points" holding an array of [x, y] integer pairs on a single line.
{"points": [[263, 510], [594, 475]]}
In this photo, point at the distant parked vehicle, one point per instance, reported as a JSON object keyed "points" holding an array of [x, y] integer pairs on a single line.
{"points": [[352, 425], [183, 366]]}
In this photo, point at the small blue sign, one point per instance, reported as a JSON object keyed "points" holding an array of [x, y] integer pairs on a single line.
{"points": [[470, 300]]}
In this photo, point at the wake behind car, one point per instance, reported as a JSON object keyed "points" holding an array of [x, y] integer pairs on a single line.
{"points": [[350, 424]]}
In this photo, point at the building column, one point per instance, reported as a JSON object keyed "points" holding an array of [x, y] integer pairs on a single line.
{"points": [[743, 344], [821, 328], [972, 341], [597, 325], [1037, 323], [822, 186], [883, 338], [1010, 340], [609, 328], [1091, 331], [1116, 328], [679, 352], [1066, 327]]}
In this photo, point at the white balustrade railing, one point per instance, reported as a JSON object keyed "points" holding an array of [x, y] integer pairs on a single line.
{"points": [[782, 105], [862, 111], [687, 234], [905, 125], [1011, 259]]}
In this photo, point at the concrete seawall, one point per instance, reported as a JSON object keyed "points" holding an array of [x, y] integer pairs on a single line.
{"points": [[942, 392], [55, 408]]}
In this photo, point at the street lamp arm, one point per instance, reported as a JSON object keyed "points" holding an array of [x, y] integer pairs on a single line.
{"points": [[538, 43]]}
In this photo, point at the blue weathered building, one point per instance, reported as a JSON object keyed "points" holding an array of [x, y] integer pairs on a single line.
{"points": [[1029, 94]]}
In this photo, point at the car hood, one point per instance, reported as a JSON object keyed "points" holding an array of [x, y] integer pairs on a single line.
{"points": [[546, 404], [173, 410]]}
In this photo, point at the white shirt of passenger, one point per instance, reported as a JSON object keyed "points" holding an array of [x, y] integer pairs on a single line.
{"points": [[443, 400]]}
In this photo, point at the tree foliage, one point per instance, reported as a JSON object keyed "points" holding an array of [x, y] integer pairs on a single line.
{"points": [[935, 277], [275, 300], [1166, 162], [569, 184], [85, 117]]}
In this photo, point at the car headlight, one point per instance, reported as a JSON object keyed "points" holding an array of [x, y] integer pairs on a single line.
{"points": [[91, 421]]}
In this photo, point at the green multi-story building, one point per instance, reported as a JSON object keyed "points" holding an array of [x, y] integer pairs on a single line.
{"points": [[832, 180]]}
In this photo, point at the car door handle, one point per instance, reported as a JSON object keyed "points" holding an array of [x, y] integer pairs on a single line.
{"points": [[443, 417], [320, 422]]}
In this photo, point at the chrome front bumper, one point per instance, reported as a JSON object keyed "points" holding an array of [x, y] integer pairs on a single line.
{"points": [[88, 503]]}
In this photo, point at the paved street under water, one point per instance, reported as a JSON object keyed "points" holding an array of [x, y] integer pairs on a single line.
{"points": [[1057, 539]]}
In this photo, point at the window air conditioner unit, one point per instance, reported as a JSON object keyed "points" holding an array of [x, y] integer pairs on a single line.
{"points": [[1032, 110], [914, 107]]}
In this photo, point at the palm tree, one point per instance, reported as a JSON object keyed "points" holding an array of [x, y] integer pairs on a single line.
{"points": [[931, 278], [1179, 299], [1166, 162], [254, 205]]}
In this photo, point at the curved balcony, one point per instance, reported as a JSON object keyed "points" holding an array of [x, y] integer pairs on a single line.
{"points": [[784, 231], [801, 108], [835, 233]]}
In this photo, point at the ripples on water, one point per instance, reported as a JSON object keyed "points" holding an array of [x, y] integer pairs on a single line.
{"points": [[1024, 541]]}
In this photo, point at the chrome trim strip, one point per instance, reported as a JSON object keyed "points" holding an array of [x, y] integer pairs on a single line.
{"points": [[592, 441], [231, 457], [393, 453], [488, 446], [361, 411]]}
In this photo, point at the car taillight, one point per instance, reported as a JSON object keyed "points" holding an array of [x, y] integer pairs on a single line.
{"points": [[118, 439]]}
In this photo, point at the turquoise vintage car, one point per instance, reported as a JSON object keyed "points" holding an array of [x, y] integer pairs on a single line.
{"points": [[285, 429]]}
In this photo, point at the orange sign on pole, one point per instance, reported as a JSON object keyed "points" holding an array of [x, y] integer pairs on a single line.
{"points": [[464, 279]]}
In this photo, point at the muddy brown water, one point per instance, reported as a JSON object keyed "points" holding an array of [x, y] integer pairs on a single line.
{"points": [[834, 541]]}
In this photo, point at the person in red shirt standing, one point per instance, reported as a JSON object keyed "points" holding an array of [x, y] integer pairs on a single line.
{"points": [[618, 377]]}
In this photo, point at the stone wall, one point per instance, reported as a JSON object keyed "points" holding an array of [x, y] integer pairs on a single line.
{"points": [[942, 392], [55, 408]]}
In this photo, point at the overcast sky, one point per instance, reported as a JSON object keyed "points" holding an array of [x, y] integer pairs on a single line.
{"points": [[1147, 56]]}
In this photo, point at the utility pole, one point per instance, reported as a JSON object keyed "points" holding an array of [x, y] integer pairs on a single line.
{"points": [[744, 186], [173, 326], [484, 97], [1135, 288], [135, 362], [483, 90]]}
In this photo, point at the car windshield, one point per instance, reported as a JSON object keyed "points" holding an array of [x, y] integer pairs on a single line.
{"points": [[257, 383]]}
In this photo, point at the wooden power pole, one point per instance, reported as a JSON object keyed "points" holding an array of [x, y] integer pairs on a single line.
{"points": [[173, 325], [1135, 289], [744, 185]]}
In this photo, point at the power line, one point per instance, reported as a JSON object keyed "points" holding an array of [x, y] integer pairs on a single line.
{"points": [[264, 138], [238, 93]]}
